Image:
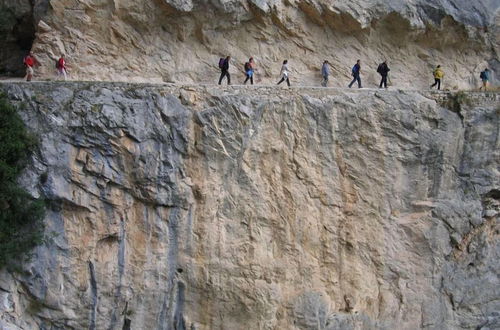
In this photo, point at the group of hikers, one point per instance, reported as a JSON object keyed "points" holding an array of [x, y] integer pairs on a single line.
{"points": [[31, 62], [383, 70]]}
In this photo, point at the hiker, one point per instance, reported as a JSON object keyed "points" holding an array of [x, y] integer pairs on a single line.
{"points": [[249, 70], [224, 67], [325, 72], [485, 78], [438, 75], [383, 69], [356, 71], [284, 73], [61, 67], [30, 62]]}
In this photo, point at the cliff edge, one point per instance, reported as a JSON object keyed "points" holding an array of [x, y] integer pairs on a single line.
{"points": [[188, 207]]}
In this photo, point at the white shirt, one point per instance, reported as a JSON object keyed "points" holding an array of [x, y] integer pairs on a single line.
{"points": [[284, 70]]}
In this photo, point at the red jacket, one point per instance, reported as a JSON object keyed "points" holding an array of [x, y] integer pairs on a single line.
{"points": [[61, 64], [30, 61]]}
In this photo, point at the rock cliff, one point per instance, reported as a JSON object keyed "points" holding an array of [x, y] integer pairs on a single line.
{"points": [[181, 41], [204, 208]]}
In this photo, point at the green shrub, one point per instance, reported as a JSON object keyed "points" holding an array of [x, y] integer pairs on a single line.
{"points": [[456, 100], [21, 216]]}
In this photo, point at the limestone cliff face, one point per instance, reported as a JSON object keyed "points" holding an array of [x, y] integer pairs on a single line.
{"points": [[181, 41], [204, 208]]}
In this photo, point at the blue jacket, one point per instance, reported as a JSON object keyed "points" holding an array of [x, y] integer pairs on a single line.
{"points": [[325, 71], [485, 75], [355, 69]]}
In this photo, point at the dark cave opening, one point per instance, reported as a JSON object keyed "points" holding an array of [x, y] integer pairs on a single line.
{"points": [[17, 33]]}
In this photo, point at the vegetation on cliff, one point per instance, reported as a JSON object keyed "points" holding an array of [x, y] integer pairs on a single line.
{"points": [[21, 226]]}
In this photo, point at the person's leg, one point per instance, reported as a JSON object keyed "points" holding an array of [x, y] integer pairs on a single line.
{"points": [[248, 77], [435, 82], [359, 81], [29, 72], [288, 81], [439, 84], [352, 82], [251, 79], [222, 74], [228, 78], [61, 72], [282, 80], [385, 81], [381, 82]]}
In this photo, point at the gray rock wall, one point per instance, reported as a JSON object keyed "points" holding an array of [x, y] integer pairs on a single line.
{"points": [[231, 208]]}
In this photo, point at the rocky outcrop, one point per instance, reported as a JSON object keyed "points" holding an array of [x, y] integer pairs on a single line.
{"points": [[203, 208], [181, 41]]}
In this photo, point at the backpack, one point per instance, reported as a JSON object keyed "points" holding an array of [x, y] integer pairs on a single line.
{"points": [[355, 70], [247, 66], [482, 75], [57, 64], [379, 69], [221, 63]]}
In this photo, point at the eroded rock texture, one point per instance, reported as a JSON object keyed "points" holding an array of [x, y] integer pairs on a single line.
{"points": [[204, 208], [181, 41]]}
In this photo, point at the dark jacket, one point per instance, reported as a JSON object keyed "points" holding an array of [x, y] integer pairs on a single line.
{"points": [[225, 66], [383, 69], [355, 70]]}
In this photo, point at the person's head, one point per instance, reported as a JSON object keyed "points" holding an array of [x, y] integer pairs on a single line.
{"points": [[486, 69], [31, 53], [439, 66], [358, 61], [228, 57], [325, 62], [285, 61], [385, 62], [251, 59]]}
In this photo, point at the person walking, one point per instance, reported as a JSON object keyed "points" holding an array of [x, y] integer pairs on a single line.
{"points": [[224, 67], [438, 75], [284, 73], [249, 70], [383, 69], [356, 71], [61, 67], [325, 72], [485, 78], [30, 62]]}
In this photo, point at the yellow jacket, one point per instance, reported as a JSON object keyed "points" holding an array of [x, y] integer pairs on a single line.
{"points": [[438, 73]]}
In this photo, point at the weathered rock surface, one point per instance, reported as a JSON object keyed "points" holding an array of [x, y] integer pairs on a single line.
{"points": [[181, 41], [205, 208]]}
